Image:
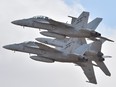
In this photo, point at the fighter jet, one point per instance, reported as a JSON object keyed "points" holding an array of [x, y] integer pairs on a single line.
{"points": [[48, 54], [45, 52], [78, 28], [76, 51]]}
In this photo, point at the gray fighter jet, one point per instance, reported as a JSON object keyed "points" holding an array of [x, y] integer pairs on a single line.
{"points": [[75, 51], [45, 52], [77, 28]]}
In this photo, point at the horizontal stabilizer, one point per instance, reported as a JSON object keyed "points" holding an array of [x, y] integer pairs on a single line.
{"points": [[89, 72], [103, 67]]}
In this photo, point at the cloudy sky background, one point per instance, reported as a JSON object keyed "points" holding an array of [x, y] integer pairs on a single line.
{"points": [[18, 70]]}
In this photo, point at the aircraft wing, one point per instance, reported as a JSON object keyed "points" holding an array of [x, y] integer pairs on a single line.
{"points": [[56, 23], [45, 47], [103, 67], [89, 71]]}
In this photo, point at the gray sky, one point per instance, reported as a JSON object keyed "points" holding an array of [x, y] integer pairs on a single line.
{"points": [[18, 70]]}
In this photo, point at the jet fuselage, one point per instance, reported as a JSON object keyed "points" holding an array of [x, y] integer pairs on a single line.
{"points": [[61, 29], [56, 56]]}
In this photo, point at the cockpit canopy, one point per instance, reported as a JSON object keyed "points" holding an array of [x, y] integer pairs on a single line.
{"points": [[41, 17], [30, 44]]}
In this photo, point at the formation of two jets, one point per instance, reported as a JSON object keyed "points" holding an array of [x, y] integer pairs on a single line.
{"points": [[70, 44]]}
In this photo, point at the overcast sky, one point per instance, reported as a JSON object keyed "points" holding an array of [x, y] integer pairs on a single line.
{"points": [[18, 70]]}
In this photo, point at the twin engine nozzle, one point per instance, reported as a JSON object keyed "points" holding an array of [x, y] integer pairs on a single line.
{"points": [[100, 55], [83, 59], [95, 34]]}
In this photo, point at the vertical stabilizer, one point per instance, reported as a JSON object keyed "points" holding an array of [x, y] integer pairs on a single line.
{"points": [[81, 21], [94, 23]]}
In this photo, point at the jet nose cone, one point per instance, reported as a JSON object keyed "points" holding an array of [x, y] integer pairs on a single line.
{"points": [[13, 22], [17, 22], [22, 22], [6, 46], [11, 47]]}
